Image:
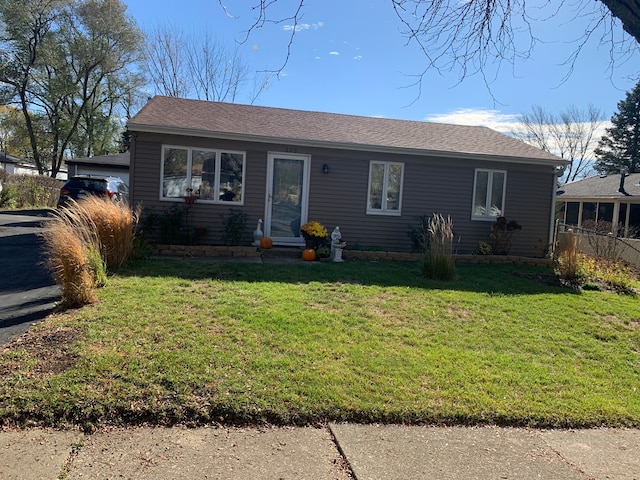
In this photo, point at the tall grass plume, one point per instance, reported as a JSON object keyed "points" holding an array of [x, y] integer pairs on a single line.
{"points": [[438, 262]]}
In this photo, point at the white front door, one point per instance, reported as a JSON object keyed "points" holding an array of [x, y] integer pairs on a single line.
{"points": [[287, 197]]}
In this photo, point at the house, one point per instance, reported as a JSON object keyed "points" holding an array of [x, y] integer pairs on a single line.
{"points": [[16, 166], [610, 198], [114, 165], [19, 166], [371, 176]]}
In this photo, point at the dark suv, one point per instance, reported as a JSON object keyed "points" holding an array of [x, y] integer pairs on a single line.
{"points": [[80, 187]]}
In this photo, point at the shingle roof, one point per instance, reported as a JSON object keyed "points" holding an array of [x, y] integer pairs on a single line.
{"points": [[117, 159], [5, 158], [268, 124], [601, 187]]}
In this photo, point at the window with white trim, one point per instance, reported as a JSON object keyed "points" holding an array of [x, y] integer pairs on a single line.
{"points": [[385, 188], [488, 194], [211, 175]]}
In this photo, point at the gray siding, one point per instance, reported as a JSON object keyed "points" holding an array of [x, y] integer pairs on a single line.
{"points": [[441, 185]]}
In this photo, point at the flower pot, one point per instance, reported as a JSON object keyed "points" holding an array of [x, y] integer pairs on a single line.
{"points": [[308, 254]]}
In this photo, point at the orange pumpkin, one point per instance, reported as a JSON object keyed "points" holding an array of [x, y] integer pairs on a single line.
{"points": [[309, 254], [266, 243]]}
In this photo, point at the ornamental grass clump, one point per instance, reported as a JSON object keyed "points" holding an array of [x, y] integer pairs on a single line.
{"points": [[568, 258], [438, 262], [115, 225], [74, 260], [84, 240]]}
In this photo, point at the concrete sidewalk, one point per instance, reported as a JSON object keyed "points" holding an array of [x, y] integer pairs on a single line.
{"points": [[335, 452]]}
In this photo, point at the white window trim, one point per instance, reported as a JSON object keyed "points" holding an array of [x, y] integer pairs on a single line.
{"points": [[487, 201], [218, 152], [385, 185]]}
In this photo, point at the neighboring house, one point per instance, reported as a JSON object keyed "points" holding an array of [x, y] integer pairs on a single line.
{"points": [[19, 166], [115, 165], [611, 198], [371, 176]]}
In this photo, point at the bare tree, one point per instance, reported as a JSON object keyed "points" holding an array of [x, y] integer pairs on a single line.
{"points": [[181, 65], [217, 73], [571, 134], [166, 64], [468, 36]]}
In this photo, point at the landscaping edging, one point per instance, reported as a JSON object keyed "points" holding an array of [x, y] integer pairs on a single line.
{"points": [[192, 251], [206, 251]]}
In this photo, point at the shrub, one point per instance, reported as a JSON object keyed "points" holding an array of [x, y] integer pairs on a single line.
{"points": [[25, 191], [235, 226], [438, 262], [502, 235], [483, 249], [8, 196], [168, 226], [38, 191], [419, 234]]}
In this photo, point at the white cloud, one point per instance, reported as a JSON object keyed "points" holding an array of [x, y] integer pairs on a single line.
{"points": [[334, 53], [502, 122], [358, 57], [303, 26]]}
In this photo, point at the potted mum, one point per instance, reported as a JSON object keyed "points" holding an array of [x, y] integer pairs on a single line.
{"points": [[314, 234]]}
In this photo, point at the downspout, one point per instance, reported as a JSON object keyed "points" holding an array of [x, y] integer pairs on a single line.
{"points": [[132, 156]]}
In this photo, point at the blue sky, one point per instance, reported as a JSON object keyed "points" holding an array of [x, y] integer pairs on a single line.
{"points": [[349, 57]]}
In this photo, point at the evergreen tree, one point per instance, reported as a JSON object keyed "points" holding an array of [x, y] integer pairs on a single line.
{"points": [[619, 148]]}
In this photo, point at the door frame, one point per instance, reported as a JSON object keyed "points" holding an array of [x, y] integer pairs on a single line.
{"points": [[304, 200]]}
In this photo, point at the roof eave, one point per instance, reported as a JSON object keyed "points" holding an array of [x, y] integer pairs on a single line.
{"points": [[592, 198], [133, 127]]}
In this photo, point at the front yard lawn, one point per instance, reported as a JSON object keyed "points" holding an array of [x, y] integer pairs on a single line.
{"points": [[174, 341]]}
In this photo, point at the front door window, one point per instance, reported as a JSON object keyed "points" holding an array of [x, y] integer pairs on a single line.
{"points": [[287, 197]]}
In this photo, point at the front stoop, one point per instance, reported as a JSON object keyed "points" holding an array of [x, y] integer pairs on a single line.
{"points": [[194, 251]]}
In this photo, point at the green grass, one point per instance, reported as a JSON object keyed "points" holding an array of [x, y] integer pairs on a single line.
{"points": [[194, 342]]}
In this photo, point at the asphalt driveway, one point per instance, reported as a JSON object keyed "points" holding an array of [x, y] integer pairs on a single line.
{"points": [[27, 291]]}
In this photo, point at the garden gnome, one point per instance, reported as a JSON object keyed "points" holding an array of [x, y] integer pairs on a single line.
{"points": [[337, 245], [257, 234]]}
